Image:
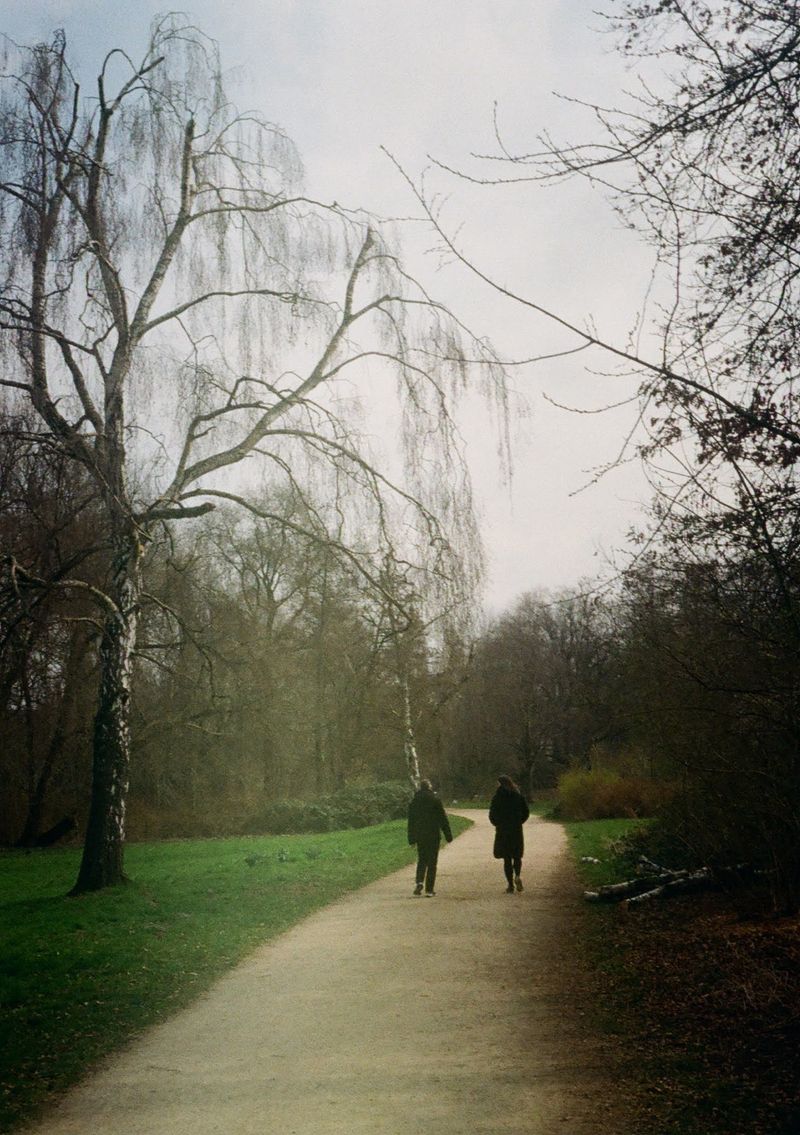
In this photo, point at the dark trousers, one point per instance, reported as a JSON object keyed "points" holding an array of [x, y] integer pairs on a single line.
{"points": [[427, 859], [512, 865]]}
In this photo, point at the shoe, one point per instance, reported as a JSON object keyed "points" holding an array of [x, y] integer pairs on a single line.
{"points": [[510, 889], [518, 882], [418, 889], [429, 894]]}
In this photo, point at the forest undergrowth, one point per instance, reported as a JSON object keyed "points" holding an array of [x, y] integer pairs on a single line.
{"points": [[708, 998]]}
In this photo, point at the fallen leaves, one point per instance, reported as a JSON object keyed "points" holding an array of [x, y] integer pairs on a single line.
{"points": [[713, 1006]]}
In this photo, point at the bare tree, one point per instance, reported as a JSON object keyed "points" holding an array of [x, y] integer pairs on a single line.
{"points": [[540, 693], [173, 307], [702, 161]]}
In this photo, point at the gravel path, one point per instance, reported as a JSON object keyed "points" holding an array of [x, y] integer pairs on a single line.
{"points": [[384, 1015]]}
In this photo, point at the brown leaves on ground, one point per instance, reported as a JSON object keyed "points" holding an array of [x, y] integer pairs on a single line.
{"points": [[716, 1005]]}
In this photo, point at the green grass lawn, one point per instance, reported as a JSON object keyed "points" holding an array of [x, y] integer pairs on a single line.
{"points": [[80, 976], [594, 838], [542, 807]]}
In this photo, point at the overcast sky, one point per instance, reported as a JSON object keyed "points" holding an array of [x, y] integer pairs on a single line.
{"points": [[345, 77]]}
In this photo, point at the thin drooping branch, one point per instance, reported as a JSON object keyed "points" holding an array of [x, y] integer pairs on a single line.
{"points": [[186, 476], [589, 339], [321, 539], [22, 580]]}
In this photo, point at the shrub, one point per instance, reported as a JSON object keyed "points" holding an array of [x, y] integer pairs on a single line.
{"points": [[658, 842], [145, 823], [355, 806], [600, 794]]}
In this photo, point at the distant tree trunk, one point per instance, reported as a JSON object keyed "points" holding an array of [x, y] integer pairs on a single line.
{"points": [[102, 862], [321, 708], [409, 738], [58, 738], [528, 754]]}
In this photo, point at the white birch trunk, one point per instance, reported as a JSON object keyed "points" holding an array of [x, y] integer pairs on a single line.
{"points": [[409, 740], [102, 862]]}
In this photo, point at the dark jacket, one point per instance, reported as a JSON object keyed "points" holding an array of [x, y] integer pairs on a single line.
{"points": [[508, 812], [426, 818]]}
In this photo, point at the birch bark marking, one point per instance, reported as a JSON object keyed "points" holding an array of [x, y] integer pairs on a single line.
{"points": [[409, 738], [102, 862]]}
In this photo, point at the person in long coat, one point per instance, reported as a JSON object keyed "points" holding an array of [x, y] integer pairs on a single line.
{"points": [[427, 822], [508, 811]]}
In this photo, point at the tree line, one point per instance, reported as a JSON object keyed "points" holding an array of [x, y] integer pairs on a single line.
{"points": [[684, 677], [264, 669]]}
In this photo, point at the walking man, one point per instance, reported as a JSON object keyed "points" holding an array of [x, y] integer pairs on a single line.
{"points": [[427, 820]]}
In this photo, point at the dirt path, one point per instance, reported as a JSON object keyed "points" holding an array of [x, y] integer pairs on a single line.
{"points": [[383, 1015]]}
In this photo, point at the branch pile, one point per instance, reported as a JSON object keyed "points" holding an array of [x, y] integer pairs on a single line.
{"points": [[653, 882]]}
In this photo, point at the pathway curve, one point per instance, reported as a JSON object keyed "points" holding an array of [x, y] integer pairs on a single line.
{"points": [[384, 1015]]}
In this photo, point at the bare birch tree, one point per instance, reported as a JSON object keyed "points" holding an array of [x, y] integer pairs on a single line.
{"points": [[174, 306]]}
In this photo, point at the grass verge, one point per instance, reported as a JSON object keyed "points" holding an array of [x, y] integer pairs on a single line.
{"points": [[81, 976], [594, 839]]}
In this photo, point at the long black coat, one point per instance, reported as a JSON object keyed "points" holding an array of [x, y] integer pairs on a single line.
{"points": [[508, 812], [427, 818]]}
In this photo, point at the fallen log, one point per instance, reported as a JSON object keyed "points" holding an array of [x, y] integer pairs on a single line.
{"points": [[691, 881], [64, 827], [613, 892], [651, 886], [643, 863]]}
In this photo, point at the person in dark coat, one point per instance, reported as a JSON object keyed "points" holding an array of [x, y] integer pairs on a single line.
{"points": [[427, 821], [508, 811]]}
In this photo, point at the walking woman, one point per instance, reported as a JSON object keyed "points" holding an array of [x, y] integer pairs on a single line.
{"points": [[508, 812]]}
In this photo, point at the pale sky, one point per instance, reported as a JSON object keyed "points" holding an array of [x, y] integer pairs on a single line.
{"points": [[345, 77]]}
